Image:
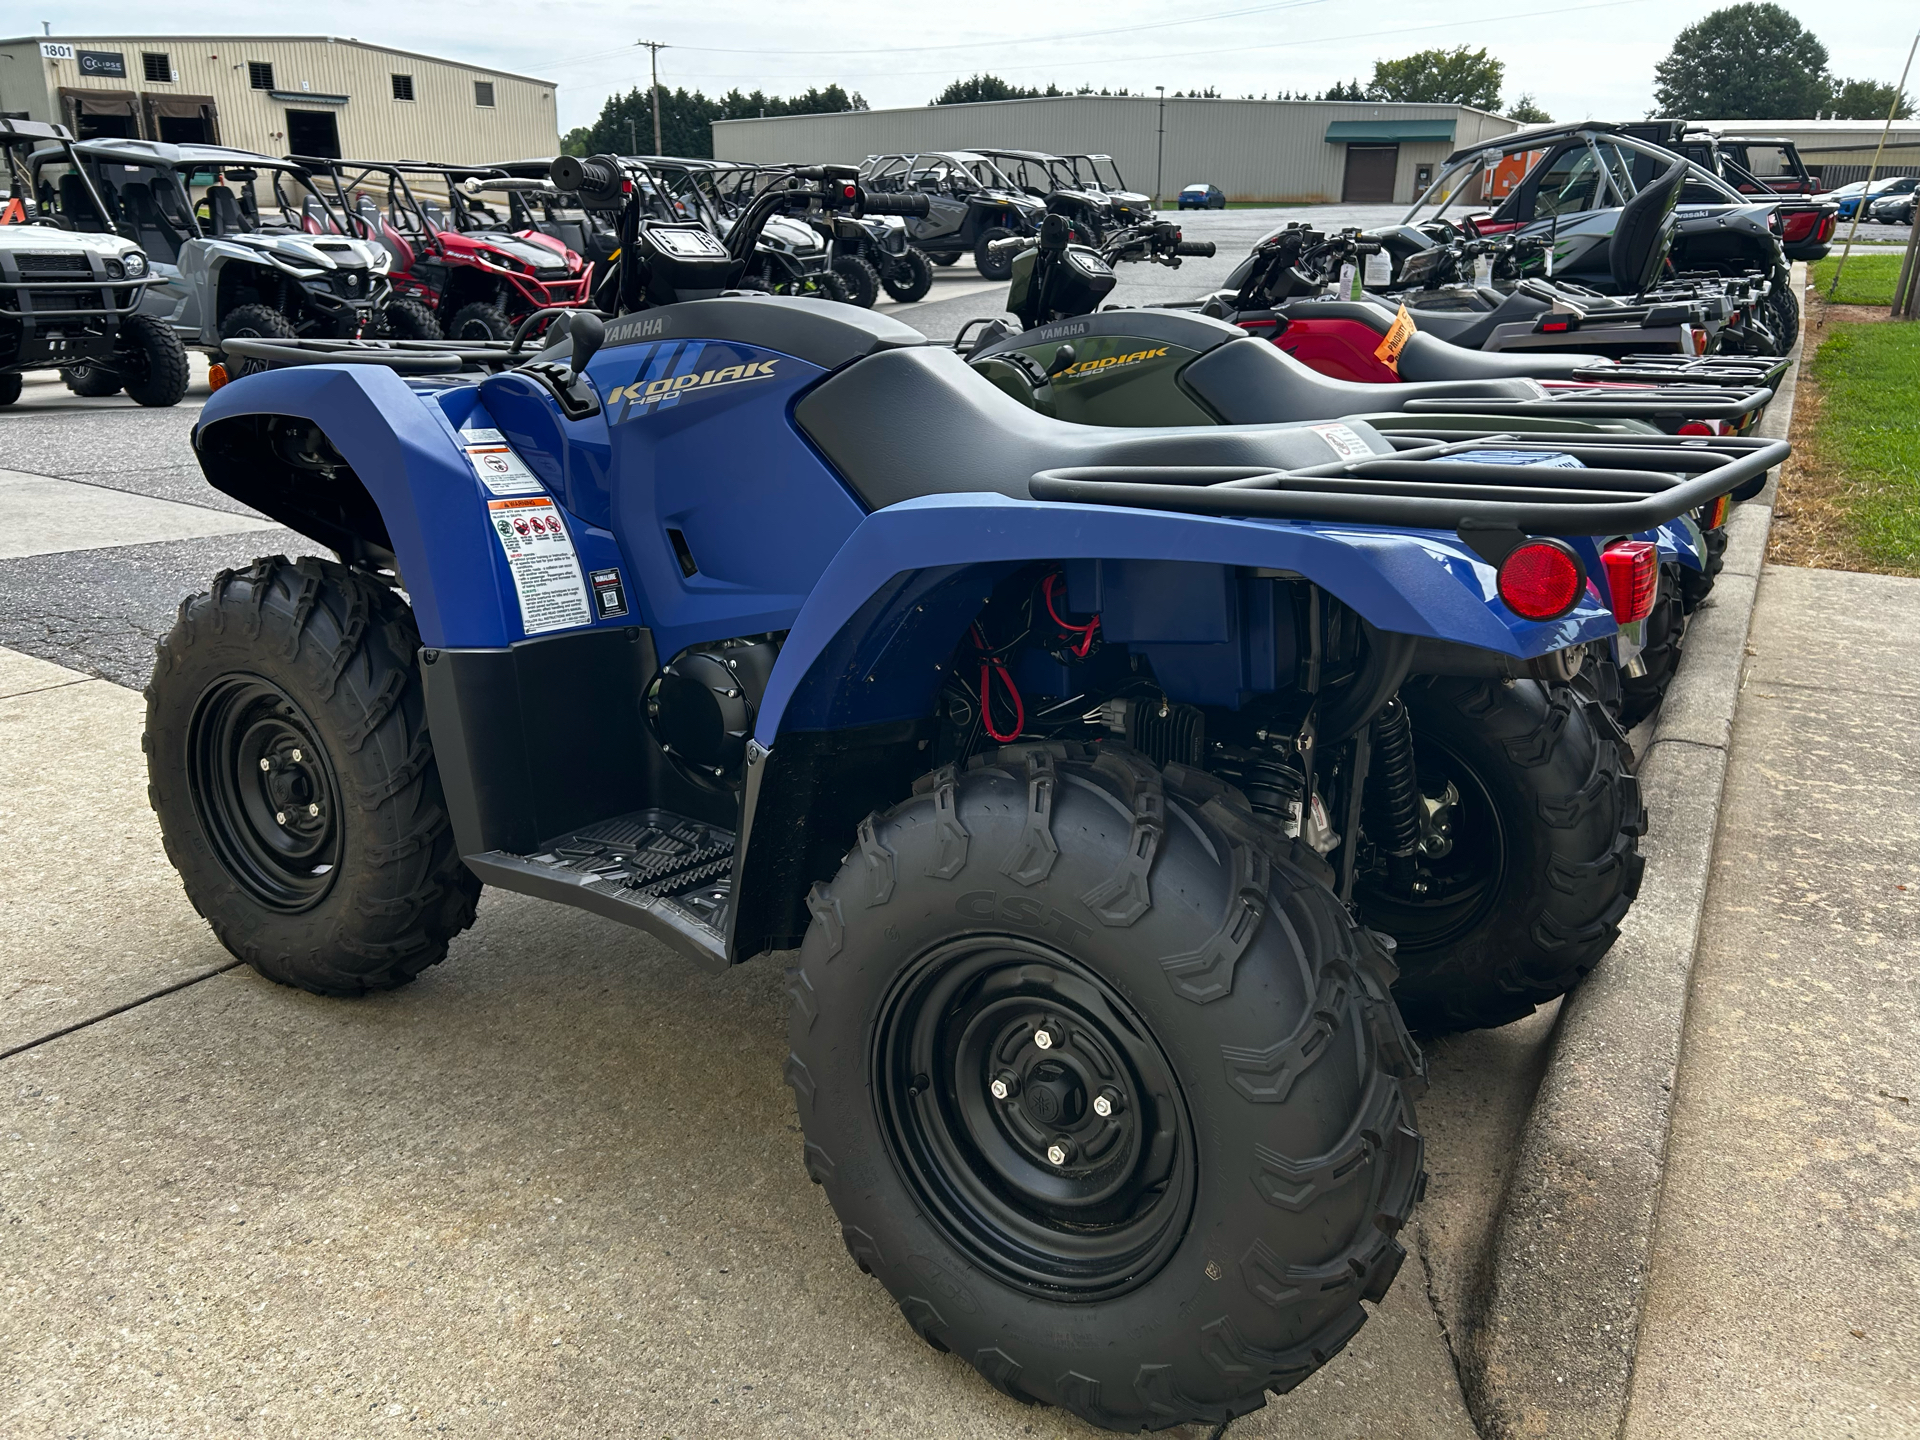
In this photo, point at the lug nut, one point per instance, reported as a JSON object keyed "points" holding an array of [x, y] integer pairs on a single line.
{"points": [[1043, 1038], [1005, 1085], [313, 809], [280, 816], [1060, 1151], [265, 764], [1106, 1103], [297, 756]]}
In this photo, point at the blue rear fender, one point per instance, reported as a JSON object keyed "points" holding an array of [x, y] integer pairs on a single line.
{"points": [[873, 639]]}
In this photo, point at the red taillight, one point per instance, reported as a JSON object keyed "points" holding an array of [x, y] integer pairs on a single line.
{"points": [[1705, 427], [1714, 514], [1826, 228], [1633, 573], [1542, 580], [1800, 225]]}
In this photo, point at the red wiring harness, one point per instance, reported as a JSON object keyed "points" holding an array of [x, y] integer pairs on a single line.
{"points": [[991, 665], [1085, 632]]}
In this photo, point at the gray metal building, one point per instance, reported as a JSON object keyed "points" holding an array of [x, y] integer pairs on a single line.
{"points": [[1309, 151], [279, 94]]}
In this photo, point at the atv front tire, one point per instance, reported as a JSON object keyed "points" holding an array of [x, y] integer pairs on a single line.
{"points": [[91, 382], [252, 322], [1545, 857], [1202, 1142], [290, 768], [861, 280], [991, 266], [908, 277], [480, 321], [152, 362]]}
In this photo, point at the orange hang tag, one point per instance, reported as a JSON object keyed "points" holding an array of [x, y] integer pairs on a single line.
{"points": [[1398, 333], [15, 213]]}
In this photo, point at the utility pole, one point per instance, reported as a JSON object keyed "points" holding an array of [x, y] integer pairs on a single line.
{"points": [[1159, 146], [655, 46]]}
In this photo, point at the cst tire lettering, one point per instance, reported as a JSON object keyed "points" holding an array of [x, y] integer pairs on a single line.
{"points": [[1022, 910]]}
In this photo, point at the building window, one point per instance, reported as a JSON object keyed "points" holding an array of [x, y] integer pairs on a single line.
{"points": [[157, 68], [483, 93], [260, 74], [403, 87]]}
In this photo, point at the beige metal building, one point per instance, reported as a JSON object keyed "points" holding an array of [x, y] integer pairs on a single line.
{"points": [[1311, 151], [279, 94]]}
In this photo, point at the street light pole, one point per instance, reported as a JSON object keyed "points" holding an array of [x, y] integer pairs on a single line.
{"points": [[655, 46], [1159, 146]]}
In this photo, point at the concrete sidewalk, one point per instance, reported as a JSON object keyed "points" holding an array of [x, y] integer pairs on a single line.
{"points": [[1786, 1261]]}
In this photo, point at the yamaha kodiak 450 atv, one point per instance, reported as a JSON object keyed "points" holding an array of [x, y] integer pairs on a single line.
{"points": [[1102, 1078]]}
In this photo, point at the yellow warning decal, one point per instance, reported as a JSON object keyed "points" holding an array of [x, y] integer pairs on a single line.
{"points": [[1387, 352]]}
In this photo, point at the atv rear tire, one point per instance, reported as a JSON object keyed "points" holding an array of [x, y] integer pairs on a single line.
{"points": [[861, 280], [908, 277], [152, 362], [1207, 1238], [10, 386], [90, 382], [252, 322], [409, 320], [1640, 695], [294, 780], [1696, 585], [991, 266], [480, 321], [1545, 859], [947, 259]]}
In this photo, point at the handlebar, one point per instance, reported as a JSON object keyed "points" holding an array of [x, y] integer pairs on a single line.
{"points": [[1202, 249], [914, 205], [1012, 245], [595, 179]]}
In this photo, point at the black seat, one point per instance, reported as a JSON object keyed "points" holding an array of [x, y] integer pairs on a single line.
{"points": [[1251, 382], [76, 204], [1429, 358], [223, 210], [916, 421], [1644, 233], [152, 229]]}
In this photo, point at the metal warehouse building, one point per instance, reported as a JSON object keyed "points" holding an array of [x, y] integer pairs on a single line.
{"points": [[279, 94], [1838, 152], [1311, 151]]}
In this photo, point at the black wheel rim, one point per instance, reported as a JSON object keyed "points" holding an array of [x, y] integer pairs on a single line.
{"points": [[1092, 1219], [265, 792], [1463, 886]]}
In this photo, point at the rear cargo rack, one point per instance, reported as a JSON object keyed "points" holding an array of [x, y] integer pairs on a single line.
{"points": [[1754, 371], [1625, 483], [1689, 402]]}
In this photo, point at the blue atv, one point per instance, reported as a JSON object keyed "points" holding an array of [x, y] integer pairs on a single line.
{"points": [[1050, 756]]}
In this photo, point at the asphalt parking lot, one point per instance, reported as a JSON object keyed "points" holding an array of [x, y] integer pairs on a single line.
{"points": [[552, 1189]]}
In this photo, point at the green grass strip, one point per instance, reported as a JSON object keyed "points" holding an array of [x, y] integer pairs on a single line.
{"points": [[1869, 430], [1867, 280]]}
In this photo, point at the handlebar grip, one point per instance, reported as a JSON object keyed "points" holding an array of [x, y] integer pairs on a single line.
{"points": [[1202, 248], [915, 205], [1012, 245], [591, 177]]}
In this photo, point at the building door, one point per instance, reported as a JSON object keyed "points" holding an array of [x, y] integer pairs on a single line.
{"points": [[313, 132], [183, 119], [1370, 174]]}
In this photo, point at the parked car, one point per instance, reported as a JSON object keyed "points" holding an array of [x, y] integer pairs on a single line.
{"points": [[1202, 197], [1850, 197], [1892, 209], [70, 288]]}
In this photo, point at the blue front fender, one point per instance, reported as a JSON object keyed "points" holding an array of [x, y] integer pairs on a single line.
{"points": [[869, 643]]}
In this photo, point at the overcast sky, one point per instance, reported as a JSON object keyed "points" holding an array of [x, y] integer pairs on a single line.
{"points": [[1588, 58]]}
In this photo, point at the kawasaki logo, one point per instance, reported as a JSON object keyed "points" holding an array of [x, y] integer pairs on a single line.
{"points": [[654, 391], [1083, 368]]}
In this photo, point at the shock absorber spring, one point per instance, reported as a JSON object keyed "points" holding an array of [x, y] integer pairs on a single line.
{"points": [[1395, 785]]}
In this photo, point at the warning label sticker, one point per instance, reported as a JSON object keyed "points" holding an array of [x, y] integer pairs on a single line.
{"points": [[546, 572], [499, 469], [1387, 352], [1345, 442]]}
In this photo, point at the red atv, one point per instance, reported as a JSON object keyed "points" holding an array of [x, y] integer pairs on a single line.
{"points": [[456, 267]]}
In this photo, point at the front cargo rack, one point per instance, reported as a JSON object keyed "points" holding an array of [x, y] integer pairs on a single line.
{"points": [[1623, 484], [405, 357]]}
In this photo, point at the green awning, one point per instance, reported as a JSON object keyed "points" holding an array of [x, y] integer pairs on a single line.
{"points": [[1381, 131]]}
